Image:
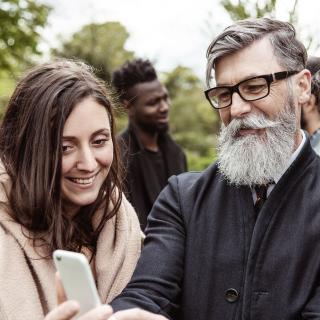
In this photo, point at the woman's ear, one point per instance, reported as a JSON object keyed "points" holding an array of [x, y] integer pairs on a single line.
{"points": [[304, 86]]}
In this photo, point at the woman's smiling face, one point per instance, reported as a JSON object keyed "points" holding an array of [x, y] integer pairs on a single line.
{"points": [[87, 154]]}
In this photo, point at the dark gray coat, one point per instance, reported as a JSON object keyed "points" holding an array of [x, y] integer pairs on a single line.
{"points": [[204, 258]]}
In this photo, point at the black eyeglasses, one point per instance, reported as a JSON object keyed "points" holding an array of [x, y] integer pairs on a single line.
{"points": [[252, 89]]}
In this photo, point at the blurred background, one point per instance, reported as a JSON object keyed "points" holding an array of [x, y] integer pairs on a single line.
{"points": [[173, 34]]}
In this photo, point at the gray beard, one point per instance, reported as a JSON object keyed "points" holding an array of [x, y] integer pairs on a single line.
{"points": [[253, 159]]}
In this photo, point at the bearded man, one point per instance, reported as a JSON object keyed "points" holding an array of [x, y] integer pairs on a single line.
{"points": [[240, 240], [148, 152]]}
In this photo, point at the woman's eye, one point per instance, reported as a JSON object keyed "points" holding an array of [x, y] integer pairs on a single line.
{"points": [[100, 142], [66, 148]]}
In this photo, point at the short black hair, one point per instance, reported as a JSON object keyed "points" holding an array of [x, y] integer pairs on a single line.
{"points": [[130, 74], [315, 88], [313, 64]]}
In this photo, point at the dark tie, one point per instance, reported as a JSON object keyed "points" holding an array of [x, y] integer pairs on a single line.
{"points": [[261, 192]]}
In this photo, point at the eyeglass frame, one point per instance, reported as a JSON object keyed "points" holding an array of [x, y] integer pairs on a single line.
{"points": [[232, 89]]}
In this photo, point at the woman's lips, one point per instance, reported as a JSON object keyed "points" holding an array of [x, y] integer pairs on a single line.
{"points": [[83, 181]]}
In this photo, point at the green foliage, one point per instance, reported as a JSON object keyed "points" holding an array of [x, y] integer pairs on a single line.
{"points": [[249, 9], [100, 45], [21, 22], [7, 84], [121, 118], [193, 123], [199, 163]]}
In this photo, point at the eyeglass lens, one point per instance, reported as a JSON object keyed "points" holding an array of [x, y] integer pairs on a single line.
{"points": [[251, 89]]}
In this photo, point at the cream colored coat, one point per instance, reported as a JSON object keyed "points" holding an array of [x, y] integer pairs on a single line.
{"points": [[27, 288]]}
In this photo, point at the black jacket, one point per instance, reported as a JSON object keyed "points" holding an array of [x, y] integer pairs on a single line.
{"points": [[204, 258], [141, 181]]}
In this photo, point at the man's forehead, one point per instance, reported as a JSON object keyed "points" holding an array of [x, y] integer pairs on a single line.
{"points": [[256, 59], [145, 91], [149, 87]]}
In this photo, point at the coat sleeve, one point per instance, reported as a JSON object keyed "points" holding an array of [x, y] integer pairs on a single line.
{"points": [[311, 310], [156, 282]]}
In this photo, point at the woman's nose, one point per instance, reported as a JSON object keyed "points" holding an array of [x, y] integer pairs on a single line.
{"points": [[87, 160]]}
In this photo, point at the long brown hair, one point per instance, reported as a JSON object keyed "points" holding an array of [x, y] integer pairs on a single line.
{"points": [[31, 151]]}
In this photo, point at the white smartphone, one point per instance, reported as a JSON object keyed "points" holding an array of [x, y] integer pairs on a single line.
{"points": [[77, 279]]}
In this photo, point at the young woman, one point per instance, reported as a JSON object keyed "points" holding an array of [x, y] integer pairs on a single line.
{"points": [[60, 187]]}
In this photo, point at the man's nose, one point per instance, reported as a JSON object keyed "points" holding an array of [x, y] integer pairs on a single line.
{"points": [[164, 106], [86, 160], [239, 107]]}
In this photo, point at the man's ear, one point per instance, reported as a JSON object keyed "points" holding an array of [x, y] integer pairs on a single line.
{"points": [[125, 103], [304, 86], [128, 106]]}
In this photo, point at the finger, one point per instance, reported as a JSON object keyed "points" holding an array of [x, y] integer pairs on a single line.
{"points": [[61, 296], [136, 314], [64, 311], [102, 312]]}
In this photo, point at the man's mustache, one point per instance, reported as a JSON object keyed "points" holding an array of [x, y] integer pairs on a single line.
{"points": [[250, 122]]}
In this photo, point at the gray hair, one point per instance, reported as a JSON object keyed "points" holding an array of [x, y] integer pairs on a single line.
{"points": [[290, 52]]}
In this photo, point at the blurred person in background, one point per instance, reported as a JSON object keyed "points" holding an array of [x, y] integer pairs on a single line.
{"points": [[310, 113], [149, 154]]}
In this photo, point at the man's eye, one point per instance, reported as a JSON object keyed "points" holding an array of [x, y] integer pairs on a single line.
{"points": [[152, 103], [224, 96], [254, 88]]}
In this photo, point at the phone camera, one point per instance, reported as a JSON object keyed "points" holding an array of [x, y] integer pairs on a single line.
{"points": [[58, 258]]}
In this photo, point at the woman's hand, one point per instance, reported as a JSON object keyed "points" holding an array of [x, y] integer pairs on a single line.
{"points": [[66, 310]]}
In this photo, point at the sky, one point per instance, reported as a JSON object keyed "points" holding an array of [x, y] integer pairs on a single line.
{"points": [[168, 32]]}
